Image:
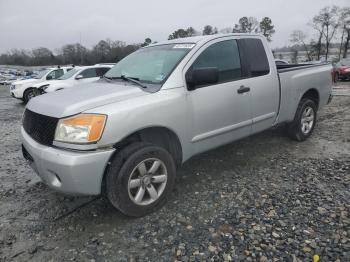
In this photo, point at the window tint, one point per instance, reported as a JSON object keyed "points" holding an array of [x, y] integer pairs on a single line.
{"points": [[225, 57], [256, 57], [101, 71], [88, 73]]}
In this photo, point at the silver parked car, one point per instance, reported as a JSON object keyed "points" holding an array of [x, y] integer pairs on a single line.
{"points": [[126, 135]]}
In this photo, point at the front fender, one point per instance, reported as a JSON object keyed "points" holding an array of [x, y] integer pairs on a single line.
{"points": [[166, 108]]}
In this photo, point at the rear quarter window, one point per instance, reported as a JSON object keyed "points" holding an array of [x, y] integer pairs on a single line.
{"points": [[256, 57]]}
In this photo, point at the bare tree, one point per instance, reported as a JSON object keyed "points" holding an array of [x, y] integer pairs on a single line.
{"points": [[294, 56], [344, 26], [347, 41], [299, 37], [319, 26], [326, 22]]}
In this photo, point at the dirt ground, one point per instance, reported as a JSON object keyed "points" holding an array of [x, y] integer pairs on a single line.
{"points": [[264, 198]]}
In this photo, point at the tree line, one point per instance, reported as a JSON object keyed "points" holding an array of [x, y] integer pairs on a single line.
{"points": [[244, 25], [104, 51], [331, 23], [113, 51]]}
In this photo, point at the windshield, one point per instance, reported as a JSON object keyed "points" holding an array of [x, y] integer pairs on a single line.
{"points": [[151, 64], [41, 73], [69, 74]]}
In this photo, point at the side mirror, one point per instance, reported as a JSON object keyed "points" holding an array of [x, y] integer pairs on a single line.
{"points": [[79, 77], [49, 77], [198, 77]]}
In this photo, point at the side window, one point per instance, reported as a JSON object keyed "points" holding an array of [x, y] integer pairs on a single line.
{"points": [[55, 74], [58, 73], [50, 75], [102, 70], [225, 57], [256, 57], [88, 73]]}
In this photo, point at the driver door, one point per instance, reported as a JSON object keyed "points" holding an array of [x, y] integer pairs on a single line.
{"points": [[220, 112]]}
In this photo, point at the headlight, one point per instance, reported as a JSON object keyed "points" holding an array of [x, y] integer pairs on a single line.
{"points": [[80, 129]]}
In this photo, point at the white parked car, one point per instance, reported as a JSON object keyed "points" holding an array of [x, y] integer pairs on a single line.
{"points": [[76, 76], [23, 89]]}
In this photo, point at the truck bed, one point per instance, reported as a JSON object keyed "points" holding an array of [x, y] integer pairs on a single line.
{"points": [[295, 80]]}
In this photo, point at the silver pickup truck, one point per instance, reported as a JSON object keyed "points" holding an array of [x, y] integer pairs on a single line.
{"points": [[125, 135]]}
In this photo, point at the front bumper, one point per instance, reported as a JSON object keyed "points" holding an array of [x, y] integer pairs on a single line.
{"points": [[71, 172], [16, 93]]}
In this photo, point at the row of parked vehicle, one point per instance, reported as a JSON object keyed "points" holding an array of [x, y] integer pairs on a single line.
{"points": [[8, 76], [55, 79]]}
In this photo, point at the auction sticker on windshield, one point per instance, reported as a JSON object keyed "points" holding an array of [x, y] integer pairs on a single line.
{"points": [[187, 46]]}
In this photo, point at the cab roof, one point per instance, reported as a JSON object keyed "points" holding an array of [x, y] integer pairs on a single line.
{"points": [[202, 38]]}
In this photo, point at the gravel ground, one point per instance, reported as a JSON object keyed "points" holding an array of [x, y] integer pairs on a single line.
{"points": [[264, 198]]}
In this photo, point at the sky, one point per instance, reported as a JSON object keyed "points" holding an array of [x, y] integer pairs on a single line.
{"points": [[40, 23]]}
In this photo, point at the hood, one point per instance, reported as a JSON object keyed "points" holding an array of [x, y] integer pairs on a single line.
{"points": [[75, 100], [26, 81]]}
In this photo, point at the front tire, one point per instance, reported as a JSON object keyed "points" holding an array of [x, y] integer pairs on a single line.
{"points": [[304, 121], [29, 94], [140, 179]]}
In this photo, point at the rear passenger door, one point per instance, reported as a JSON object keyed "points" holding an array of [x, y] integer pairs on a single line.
{"points": [[220, 113], [262, 79]]}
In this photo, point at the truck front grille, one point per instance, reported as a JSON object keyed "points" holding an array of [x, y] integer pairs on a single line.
{"points": [[40, 127]]}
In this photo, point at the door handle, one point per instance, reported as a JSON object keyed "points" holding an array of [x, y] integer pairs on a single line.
{"points": [[243, 89]]}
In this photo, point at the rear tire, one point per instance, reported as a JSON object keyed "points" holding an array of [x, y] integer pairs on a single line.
{"points": [[132, 186], [304, 121]]}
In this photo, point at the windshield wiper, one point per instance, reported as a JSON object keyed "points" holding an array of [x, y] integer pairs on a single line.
{"points": [[134, 80]]}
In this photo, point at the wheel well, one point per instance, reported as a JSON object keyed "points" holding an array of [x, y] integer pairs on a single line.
{"points": [[27, 90], [313, 95], [159, 136]]}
